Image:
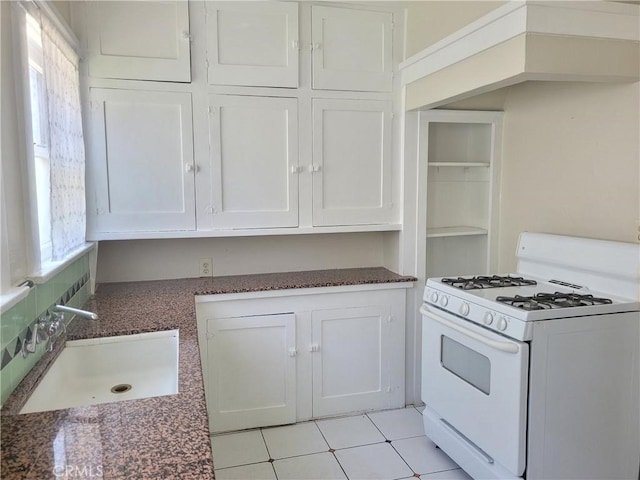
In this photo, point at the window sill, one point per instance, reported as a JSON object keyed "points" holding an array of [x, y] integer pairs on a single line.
{"points": [[50, 269], [12, 297]]}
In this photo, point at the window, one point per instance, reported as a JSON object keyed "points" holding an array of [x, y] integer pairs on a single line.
{"points": [[53, 136], [40, 136]]}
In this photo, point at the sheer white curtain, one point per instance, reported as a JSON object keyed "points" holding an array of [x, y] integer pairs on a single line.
{"points": [[66, 145]]}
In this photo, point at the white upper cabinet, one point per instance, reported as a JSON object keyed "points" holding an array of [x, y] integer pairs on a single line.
{"points": [[140, 162], [139, 40], [280, 123], [253, 43], [255, 164], [351, 162], [352, 49], [254, 155]]}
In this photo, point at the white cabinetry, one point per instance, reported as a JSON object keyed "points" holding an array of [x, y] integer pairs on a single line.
{"points": [[139, 40], [351, 162], [353, 363], [254, 153], [252, 43], [283, 122], [255, 170], [140, 169], [347, 356], [462, 189], [352, 49], [257, 44], [251, 371]]}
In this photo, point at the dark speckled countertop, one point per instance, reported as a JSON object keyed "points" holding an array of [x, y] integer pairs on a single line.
{"points": [[152, 438]]}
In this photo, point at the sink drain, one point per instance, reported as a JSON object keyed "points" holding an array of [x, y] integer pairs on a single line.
{"points": [[121, 388]]}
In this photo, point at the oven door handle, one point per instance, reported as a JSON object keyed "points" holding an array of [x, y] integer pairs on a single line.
{"points": [[506, 347]]}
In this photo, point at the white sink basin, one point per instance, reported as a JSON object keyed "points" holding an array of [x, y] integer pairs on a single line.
{"points": [[101, 370]]}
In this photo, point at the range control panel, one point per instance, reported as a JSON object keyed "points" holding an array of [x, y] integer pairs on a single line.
{"points": [[488, 318]]}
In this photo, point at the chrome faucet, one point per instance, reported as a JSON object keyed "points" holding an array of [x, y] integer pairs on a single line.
{"points": [[55, 327], [51, 327], [30, 346], [75, 311]]}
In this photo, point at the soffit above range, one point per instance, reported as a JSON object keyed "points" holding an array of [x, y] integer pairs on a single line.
{"points": [[527, 40]]}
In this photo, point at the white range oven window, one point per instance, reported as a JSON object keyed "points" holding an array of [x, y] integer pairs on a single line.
{"points": [[467, 364]]}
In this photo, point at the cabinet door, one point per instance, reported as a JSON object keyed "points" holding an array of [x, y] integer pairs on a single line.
{"points": [[353, 360], [253, 43], [254, 149], [352, 162], [140, 167], [352, 49], [251, 369], [139, 40]]}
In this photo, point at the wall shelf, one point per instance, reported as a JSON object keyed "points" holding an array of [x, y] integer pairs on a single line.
{"points": [[459, 164], [460, 221], [458, 231]]}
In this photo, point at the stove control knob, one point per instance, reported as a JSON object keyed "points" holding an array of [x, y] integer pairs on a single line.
{"points": [[488, 318], [434, 297], [444, 301], [502, 324], [464, 309]]}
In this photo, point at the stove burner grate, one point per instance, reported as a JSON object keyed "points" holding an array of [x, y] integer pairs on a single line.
{"points": [[544, 301], [486, 281]]}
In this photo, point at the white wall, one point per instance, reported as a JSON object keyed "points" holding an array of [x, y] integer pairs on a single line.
{"points": [[63, 8], [134, 260], [571, 162], [430, 21]]}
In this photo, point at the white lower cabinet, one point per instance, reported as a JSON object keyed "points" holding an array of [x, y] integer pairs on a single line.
{"points": [[252, 371], [272, 358], [352, 359]]}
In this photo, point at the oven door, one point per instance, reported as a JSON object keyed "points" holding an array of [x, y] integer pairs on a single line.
{"points": [[475, 380]]}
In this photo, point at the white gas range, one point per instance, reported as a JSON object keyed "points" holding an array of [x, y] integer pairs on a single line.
{"points": [[534, 374], [509, 310]]}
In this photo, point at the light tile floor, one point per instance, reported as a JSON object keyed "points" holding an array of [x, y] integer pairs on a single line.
{"points": [[385, 445]]}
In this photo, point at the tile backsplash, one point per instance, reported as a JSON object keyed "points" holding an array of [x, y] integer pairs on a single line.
{"points": [[70, 287]]}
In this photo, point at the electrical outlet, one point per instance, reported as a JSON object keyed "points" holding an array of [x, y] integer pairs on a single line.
{"points": [[206, 267]]}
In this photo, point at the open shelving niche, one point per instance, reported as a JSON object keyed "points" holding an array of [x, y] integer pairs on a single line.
{"points": [[463, 157]]}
